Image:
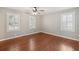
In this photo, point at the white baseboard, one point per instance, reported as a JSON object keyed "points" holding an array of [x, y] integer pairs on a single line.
{"points": [[38, 32], [17, 36], [61, 36]]}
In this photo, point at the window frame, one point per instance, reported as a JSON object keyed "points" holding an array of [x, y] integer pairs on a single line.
{"points": [[32, 24], [73, 21], [17, 17]]}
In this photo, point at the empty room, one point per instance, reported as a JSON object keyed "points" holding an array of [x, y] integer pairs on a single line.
{"points": [[39, 29]]}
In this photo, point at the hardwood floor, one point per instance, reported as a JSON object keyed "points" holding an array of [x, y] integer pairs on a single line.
{"points": [[39, 42]]}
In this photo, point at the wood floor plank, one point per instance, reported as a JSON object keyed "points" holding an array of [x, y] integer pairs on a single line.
{"points": [[39, 42]]}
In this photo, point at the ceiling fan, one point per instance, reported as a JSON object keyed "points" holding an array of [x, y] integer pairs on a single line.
{"points": [[37, 11]]}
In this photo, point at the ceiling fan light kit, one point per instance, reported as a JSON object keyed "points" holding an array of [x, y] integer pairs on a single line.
{"points": [[35, 11]]}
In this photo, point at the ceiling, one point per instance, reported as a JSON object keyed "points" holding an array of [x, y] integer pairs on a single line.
{"points": [[43, 10]]}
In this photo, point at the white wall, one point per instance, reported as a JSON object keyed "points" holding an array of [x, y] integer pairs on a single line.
{"points": [[24, 23], [51, 23]]}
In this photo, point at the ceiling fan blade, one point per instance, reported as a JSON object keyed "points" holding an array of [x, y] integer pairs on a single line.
{"points": [[42, 10]]}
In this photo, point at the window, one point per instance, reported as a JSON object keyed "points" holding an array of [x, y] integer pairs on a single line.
{"points": [[13, 22], [67, 22], [32, 22]]}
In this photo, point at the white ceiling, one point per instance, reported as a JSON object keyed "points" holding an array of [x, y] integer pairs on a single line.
{"points": [[47, 10]]}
